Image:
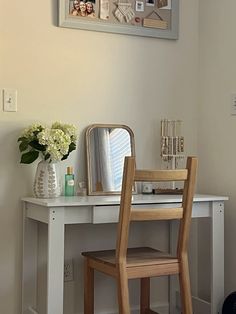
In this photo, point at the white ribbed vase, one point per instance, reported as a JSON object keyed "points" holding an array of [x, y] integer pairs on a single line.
{"points": [[46, 182]]}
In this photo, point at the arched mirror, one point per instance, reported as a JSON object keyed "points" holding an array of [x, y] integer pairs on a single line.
{"points": [[106, 147]]}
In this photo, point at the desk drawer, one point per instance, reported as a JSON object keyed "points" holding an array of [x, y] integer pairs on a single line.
{"points": [[105, 214], [110, 214]]}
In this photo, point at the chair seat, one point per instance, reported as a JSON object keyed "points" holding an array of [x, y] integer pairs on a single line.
{"points": [[139, 256]]}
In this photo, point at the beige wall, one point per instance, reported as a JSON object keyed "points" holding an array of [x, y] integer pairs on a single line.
{"points": [[84, 77], [216, 141]]}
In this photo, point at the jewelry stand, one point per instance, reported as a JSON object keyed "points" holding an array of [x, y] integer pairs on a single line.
{"points": [[172, 150]]}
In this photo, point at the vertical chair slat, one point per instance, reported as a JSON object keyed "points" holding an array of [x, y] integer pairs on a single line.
{"points": [[125, 207], [188, 194]]}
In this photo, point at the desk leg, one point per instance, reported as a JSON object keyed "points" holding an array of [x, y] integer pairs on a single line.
{"points": [[55, 261], [29, 271], [217, 257]]}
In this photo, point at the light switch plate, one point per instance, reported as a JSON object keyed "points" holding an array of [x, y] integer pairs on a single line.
{"points": [[233, 104], [10, 100]]}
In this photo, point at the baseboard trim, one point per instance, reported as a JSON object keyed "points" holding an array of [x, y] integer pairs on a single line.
{"points": [[160, 308]]}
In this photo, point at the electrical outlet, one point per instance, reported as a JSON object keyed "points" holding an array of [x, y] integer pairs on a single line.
{"points": [[233, 104], [68, 270]]}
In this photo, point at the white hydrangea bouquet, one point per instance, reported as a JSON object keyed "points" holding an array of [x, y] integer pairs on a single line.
{"points": [[53, 143]]}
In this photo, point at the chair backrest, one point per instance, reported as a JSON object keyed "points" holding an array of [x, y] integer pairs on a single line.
{"points": [[183, 213]]}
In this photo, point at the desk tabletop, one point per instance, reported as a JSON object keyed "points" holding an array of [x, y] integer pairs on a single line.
{"points": [[115, 200]]}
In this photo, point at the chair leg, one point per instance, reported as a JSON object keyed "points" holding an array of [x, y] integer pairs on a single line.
{"points": [[123, 291], [185, 288], [88, 288], [144, 295]]}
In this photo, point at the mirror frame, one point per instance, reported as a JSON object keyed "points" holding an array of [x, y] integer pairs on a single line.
{"points": [[88, 131]]}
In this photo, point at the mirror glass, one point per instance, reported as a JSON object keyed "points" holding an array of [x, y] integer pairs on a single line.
{"points": [[107, 145]]}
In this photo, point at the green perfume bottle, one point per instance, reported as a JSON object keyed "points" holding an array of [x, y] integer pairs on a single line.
{"points": [[69, 182]]}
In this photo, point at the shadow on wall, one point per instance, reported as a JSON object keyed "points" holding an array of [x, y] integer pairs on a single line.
{"points": [[16, 179], [15, 182], [55, 7]]}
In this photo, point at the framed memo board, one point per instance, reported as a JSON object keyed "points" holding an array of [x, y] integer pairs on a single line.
{"points": [[151, 18]]}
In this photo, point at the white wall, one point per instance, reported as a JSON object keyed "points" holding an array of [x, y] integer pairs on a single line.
{"points": [[84, 77], [217, 146]]}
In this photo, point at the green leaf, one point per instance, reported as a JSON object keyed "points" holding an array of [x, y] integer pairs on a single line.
{"points": [[22, 139], [29, 157], [72, 147], [65, 156], [37, 146], [23, 146], [46, 156]]}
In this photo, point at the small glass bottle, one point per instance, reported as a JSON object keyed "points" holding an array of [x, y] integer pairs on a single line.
{"points": [[69, 182]]}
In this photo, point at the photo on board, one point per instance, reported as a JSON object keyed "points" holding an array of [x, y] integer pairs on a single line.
{"points": [[162, 3], [82, 8], [150, 3], [139, 6]]}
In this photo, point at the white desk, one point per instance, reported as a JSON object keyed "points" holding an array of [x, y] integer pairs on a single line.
{"points": [[56, 213]]}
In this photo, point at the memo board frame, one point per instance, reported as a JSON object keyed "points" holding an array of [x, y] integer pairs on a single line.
{"points": [[66, 20]]}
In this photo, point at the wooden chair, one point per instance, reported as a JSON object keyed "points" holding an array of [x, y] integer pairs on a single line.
{"points": [[128, 263]]}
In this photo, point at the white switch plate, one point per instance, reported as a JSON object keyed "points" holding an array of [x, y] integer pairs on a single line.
{"points": [[10, 100], [233, 104]]}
